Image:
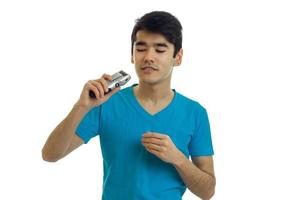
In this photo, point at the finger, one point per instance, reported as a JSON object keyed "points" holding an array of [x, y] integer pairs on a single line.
{"points": [[113, 92], [154, 135], [153, 147], [99, 87], [93, 88], [107, 77], [156, 141], [153, 151], [104, 84]]}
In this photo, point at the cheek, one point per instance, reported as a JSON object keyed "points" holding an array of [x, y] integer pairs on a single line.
{"points": [[137, 58], [168, 63], [168, 59]]}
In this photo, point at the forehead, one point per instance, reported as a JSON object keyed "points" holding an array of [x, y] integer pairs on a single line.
{"points": [[151, 38]]}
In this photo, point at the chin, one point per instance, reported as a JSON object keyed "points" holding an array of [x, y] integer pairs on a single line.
{"points": [[150, 81]]}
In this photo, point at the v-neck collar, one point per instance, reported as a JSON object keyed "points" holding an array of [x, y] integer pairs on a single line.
{"points": [[144, 112]]}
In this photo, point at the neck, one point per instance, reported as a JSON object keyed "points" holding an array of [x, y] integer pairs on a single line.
{"points": [[153, 94]]}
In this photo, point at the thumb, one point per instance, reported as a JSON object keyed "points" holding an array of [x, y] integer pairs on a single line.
{"points": [[113, 92]]}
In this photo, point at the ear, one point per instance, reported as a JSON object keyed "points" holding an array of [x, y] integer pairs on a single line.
{"points": [[178, 58]]}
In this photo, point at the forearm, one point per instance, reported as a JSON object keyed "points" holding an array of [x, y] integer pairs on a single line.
{"points": [[199, 182], [60, 138]]}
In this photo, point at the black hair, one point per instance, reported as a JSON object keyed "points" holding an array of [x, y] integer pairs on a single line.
{"points": [[160, 22]]}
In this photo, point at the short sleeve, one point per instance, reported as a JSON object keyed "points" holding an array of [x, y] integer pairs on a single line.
{"points": [[201, 142], [90, 124]]}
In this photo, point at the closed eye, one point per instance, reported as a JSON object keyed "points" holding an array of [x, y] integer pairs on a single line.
{"points": [[157, 50]]}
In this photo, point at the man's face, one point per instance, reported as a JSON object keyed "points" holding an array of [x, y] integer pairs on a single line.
{"points": [[153, 57]]}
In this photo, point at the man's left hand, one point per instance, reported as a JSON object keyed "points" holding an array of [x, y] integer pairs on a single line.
{"points": [[162, 146]]}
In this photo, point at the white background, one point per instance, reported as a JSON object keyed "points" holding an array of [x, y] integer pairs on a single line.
{"points": [[241, 63]]}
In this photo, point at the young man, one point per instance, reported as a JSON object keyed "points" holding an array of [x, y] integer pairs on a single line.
{"points": [[148, 130]]}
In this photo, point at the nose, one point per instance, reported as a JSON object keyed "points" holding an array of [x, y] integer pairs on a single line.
{"points": [[149, 56]]}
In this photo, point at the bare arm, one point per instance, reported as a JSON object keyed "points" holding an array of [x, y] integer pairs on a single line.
{"points": [[62, 136], [63, 139], [198, 176]]}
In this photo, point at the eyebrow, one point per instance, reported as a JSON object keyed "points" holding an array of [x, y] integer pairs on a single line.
{"points": [[161, 45], [142, 43]]}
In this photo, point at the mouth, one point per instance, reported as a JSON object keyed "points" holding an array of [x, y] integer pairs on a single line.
{"points": [[148, 69]]}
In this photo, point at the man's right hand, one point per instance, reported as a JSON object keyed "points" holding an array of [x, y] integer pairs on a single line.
{"points": [[98, 86]]}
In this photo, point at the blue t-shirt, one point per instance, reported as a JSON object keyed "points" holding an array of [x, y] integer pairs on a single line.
{"points": [[130, 171]]}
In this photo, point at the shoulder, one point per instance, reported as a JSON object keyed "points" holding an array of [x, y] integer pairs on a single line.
{"points": [[190, 103], [118, 101], [123, 93]]}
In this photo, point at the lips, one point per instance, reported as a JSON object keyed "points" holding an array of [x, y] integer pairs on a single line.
{"points": [[148, 67]]}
